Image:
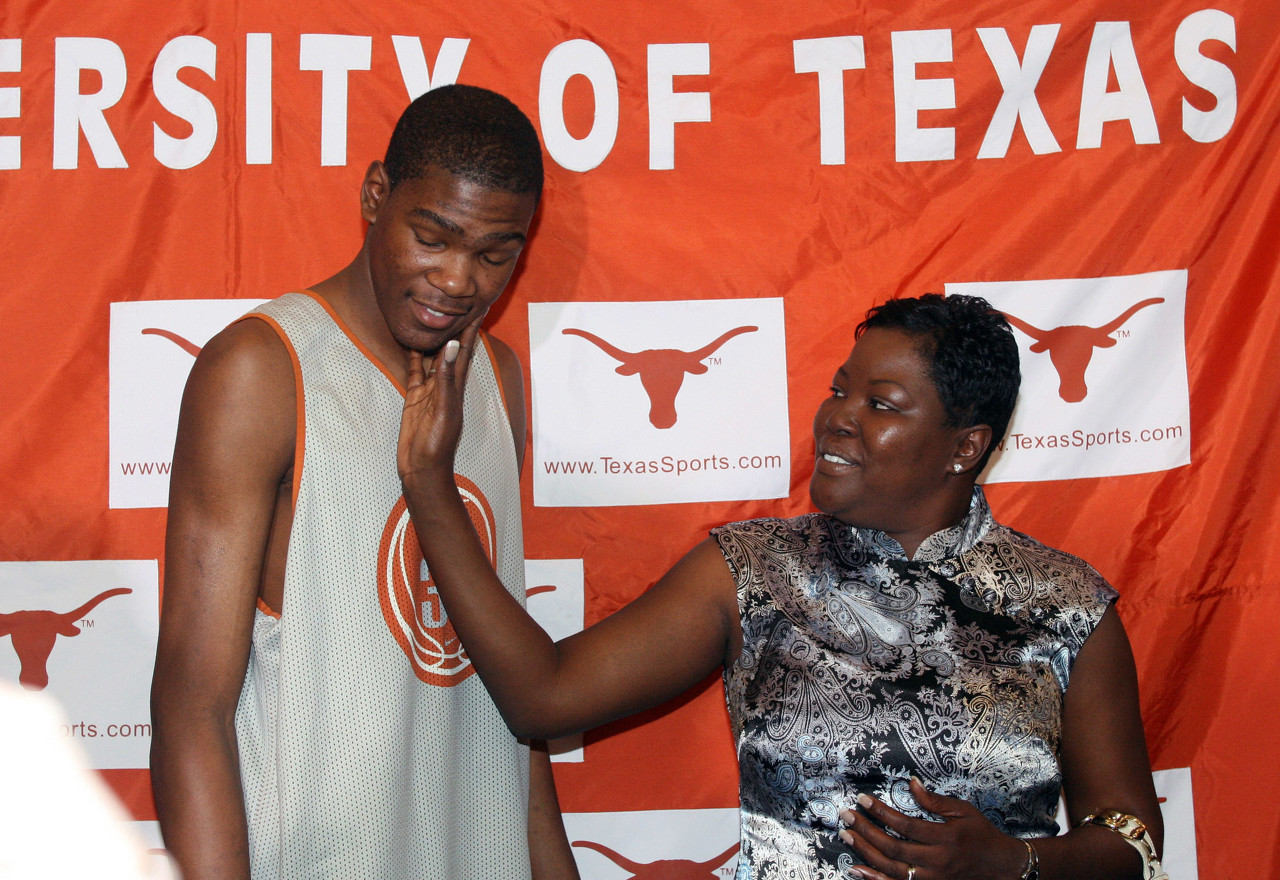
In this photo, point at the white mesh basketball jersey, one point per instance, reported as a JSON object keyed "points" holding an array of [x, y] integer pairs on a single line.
{"points": [[367, 748]]}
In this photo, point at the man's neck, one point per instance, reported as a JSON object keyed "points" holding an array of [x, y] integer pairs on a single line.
{"points": [[350, 294]]}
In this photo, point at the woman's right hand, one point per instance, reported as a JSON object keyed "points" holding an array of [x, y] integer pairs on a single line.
{"points": [[432, 421], [964, 845]]}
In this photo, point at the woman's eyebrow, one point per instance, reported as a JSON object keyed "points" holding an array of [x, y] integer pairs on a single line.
{"points": [[892, 382]]}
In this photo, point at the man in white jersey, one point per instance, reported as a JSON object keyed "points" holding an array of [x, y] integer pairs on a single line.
{"points": [[313, 713]]}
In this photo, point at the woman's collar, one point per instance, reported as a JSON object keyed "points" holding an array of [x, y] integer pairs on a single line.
{"points": [[944, 544]]}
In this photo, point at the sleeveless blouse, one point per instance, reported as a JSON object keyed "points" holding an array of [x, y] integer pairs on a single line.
{"points": [[861, 668]]}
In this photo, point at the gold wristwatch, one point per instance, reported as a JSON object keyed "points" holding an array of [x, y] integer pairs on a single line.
{"points": [[1134, 832]]}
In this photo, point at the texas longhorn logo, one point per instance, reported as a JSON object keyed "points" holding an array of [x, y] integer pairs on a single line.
{"points": [[34, 632], [1071, 347], [663, 869], [407, 593], [185, 344], [661, 370]]}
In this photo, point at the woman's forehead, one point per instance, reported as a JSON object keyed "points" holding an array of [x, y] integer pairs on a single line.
{"points": [[889, 347]]}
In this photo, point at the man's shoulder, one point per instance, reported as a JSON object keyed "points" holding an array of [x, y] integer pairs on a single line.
{"points": [[510, 375], [505, 360], [236, 430], [294, 313], [289, 326], [244, 366], [247, 341]]}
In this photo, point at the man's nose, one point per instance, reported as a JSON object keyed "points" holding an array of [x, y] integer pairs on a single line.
{"points": [[452, 275]]}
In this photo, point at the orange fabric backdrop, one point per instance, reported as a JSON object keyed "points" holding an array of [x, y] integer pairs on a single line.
{"points": [[748, 211]]}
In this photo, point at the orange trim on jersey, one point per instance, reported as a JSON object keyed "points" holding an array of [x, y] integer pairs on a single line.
{"points": [[299, 430], [355, 340], [497, 374], [300, 411]]}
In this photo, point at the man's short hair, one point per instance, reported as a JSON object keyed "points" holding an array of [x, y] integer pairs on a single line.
{"points": [[972, 355], [472, 132]]}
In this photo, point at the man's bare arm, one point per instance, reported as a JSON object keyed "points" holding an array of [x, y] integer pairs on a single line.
{"points": [[550, 855], [234, 447]]}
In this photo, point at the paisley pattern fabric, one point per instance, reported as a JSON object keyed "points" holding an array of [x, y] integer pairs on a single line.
{"points": [[860, 668]]}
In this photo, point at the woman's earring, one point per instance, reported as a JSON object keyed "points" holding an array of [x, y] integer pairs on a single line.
{"points": [[957, 468]]}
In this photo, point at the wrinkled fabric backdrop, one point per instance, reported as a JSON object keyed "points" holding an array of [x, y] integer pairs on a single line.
{"points": [[711, 167]]}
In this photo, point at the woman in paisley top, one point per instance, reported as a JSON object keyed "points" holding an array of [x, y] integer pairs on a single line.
{"points": [[896, 666]]}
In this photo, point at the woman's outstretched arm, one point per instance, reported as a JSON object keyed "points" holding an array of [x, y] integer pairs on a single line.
{"points": [[660, 645]]}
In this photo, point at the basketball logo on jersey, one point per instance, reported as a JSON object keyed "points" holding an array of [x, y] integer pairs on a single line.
{"points": [[410, 602]]}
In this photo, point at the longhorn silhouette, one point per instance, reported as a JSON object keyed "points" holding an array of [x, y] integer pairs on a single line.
{"points": [[663, 869], [185, 344], [662, 370], [1071, 347], [34, 632]]}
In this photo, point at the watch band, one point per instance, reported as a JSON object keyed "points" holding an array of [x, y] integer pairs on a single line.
{"points": [[1134, 832]]}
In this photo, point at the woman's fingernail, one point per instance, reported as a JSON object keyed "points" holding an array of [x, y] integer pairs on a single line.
{"points": [[846, 837], [864, 801], [847, 816]]}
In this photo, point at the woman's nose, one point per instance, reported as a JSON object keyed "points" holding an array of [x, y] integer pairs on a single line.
{"points": [[840, 418]]}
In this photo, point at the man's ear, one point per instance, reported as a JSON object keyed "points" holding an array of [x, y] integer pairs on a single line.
{"points": [[374, 191], [972, 444]]}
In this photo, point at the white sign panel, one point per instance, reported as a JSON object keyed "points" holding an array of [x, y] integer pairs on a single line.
{"points": [[658, 402], [1173, 788], [153, 345], [1104, 376], [85, 632]]}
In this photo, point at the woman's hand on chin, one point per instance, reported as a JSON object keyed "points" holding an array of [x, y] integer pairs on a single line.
{"points": [[432, 421], [964, 845]]}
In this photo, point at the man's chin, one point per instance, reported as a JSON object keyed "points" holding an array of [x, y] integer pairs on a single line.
{"points": [[427, 342]]}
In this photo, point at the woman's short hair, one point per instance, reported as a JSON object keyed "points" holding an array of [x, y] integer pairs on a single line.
{"points": [[472, 132], [972, 355]]}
